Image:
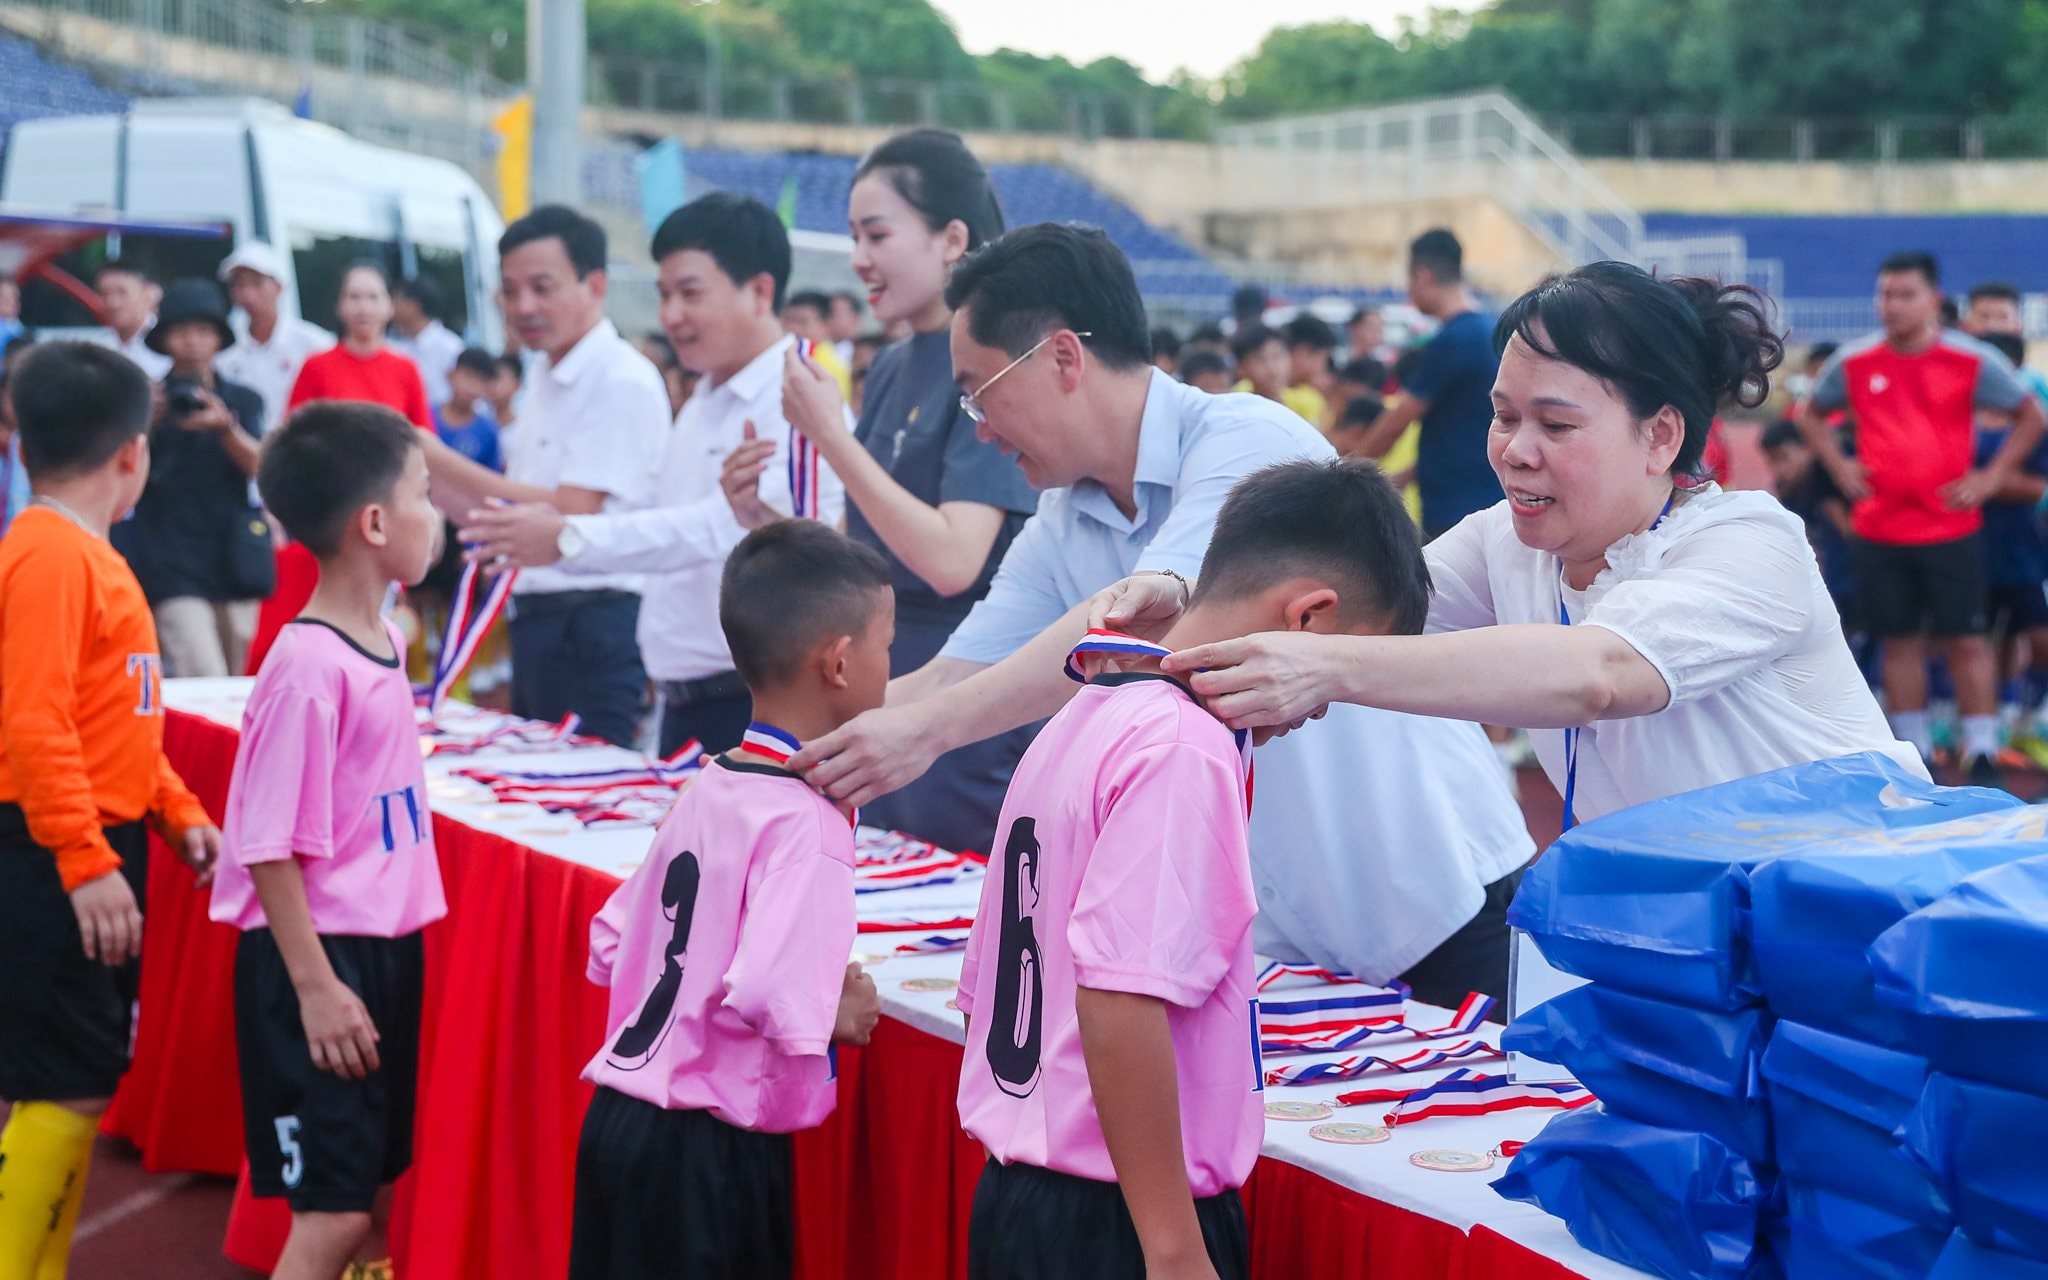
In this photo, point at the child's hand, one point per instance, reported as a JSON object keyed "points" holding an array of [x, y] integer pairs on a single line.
{"points": [[109, 922], [339, 1031], [860, 1007], [201, 851]]}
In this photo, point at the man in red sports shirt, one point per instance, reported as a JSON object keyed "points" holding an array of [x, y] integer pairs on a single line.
{"points": [[1913, 389]]}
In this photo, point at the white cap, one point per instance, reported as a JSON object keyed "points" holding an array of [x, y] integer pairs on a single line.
{"points": [[255, 255]]}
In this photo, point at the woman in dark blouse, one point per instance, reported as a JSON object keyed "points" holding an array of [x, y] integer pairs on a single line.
{"points": [[941, 504]]}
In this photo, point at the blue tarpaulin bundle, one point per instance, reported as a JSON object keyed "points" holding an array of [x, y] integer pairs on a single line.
{"points": [[1965, 1259], [1655, 899], [1827, 1236], [1658, 1062], [1985, 1146], [1670, 1202], [1837, 1106], [1972, 972]]}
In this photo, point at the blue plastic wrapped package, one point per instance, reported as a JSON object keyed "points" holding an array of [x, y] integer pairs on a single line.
{"points": [[1658, 1062], [1969, 972], [1666, 1201], [1988, 1150], [1814, 916], [1834, 1237], [1837, 1105], [1965, 1259], [1655, 899]]}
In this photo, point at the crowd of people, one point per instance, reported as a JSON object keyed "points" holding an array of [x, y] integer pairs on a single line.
{"points": [[1033, 579]]}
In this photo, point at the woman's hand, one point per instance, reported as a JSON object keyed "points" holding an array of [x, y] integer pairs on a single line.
{"points": [[812, 403], [1273, 678], [741, 480]]}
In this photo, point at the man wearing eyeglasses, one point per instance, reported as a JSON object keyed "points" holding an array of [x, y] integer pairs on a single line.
{"points": [[1376, 837]]}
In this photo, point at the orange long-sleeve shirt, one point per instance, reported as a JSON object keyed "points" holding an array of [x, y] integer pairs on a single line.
{"points": [[81, 697]]}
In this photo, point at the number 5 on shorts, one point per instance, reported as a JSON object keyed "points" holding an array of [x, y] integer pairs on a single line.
{"points": [[288, 1145]]}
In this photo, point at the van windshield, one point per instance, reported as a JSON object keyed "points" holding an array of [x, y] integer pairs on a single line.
{"points": [[162, 258]]}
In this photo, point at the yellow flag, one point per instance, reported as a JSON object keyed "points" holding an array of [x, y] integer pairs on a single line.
{"points": [[514, 127]]}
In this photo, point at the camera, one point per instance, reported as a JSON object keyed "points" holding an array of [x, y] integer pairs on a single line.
{"points": [[184, 399]]}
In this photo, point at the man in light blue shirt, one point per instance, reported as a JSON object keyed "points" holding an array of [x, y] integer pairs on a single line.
{"points": [[1376, 837]]}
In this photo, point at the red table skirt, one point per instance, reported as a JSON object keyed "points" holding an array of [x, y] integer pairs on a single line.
{"points": [[883, 1188]]}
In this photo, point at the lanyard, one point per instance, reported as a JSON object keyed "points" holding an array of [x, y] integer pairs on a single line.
{"points": [[764, 739], [1366, 1064], [803, 462], [1102, 640], [1571, 736], [1463, 1093], [468, 623], [1285, 1028]]}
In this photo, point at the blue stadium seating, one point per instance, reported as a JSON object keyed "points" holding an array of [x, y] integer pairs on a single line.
{"points": [[32, 87], [1837, 257]]}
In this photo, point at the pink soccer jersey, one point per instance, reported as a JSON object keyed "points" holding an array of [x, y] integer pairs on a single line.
{"points": [[1123, 865], [725, 952], [329, 771]]}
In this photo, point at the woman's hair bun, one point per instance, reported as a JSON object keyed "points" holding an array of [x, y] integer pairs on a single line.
{"points": [[1739, 347]]}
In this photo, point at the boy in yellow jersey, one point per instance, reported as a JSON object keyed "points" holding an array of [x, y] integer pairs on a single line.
{"points": [[81, 720]]}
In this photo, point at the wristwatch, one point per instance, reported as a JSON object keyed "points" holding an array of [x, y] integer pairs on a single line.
{"points": [[570, 541]]}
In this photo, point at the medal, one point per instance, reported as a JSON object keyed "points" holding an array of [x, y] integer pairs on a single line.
{"points": [[930, 984], [1350, 1135], [1103, 640], [1444, 1161], [1298, 1111]]}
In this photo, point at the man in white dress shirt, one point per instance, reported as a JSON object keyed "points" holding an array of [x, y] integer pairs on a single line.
{"points": [[128, 301], [724, 262], [596, 417], [270, 347], [417, 306]]}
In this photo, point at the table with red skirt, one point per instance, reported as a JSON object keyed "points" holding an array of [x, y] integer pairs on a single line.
{"points": [[883, 1188]]}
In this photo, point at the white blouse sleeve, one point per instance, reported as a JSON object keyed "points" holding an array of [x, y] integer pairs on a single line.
{"points": [[1726, 600], [1462, 593]]}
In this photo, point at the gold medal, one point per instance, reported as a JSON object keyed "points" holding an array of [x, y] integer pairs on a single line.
{"points": [[1451, 1161], [929, 984], [1350, 1135], [1298, 1111]]}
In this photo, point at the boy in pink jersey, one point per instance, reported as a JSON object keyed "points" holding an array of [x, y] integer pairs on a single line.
{"points": [[1112, 1066], [328, 865], [726, 952]]}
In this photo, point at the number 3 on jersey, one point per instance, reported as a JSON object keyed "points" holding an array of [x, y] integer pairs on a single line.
{"points": [[1017, 1016], [643, 1036]]}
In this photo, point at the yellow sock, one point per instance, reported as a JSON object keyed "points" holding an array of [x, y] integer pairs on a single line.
{"points": [[44, 1153], [57, 1251]]}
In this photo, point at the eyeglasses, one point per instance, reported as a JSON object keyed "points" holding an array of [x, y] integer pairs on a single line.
{"points": [[970, 401]]}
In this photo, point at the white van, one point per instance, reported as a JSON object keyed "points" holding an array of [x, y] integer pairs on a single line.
{"points": [[305, 187]]}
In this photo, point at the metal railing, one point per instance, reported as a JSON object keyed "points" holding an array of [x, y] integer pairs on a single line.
{"points": [[1852, 140]]}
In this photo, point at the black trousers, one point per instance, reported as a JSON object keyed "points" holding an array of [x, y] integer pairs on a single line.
{"points": [[1475, 958], [678, 1195], [717, 724], [1034, 1224], [576, 651]]}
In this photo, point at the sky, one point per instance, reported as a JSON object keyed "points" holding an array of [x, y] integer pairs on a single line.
{"points": [[1158, 36]]}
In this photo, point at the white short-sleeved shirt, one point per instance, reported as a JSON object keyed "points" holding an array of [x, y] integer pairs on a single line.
{"points": [[682, 544], [270, 368], [1725, 600], [435, 350], [1358, 860], [593, 421]]}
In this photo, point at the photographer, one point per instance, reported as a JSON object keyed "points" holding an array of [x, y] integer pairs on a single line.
{"points": [[199, 546]]}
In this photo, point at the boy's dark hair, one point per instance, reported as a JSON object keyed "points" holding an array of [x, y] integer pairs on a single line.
{"points": [[423, 290], [582, 238], [513, 365], [1365, 371], [1337, 520], [1165, 342], [812, 298], [76, 404], [1913, 260], [1781, 433], [1210, 335], [1312, 332], [1250, 338], [1822, 351], [330, 460], [742, 235], [1438, 252], [1362, 412], [479, 362], [789, 586], [118, 267], [1024, 285], [2010, 345], [1998, 289], [1202, 361]]}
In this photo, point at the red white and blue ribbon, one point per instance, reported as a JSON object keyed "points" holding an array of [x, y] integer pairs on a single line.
{"points": [[1464, 1093], [899, 922], [934, 944], [940, 868], [468, 623], [512, 737], [1357, 1065], [874, 847], [1279, 971], [768, 741], [1322, 1027], [803, 462]]}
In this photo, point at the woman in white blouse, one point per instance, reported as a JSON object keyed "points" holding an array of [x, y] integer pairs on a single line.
{"points": [[1698, 643]]}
